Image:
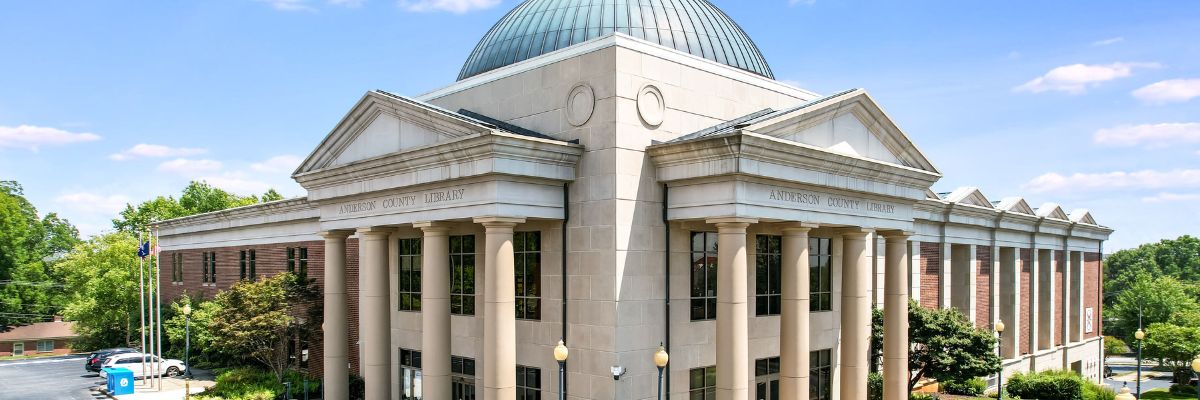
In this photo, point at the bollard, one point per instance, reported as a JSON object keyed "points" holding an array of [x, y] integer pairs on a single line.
{"points": [[305, 388]]}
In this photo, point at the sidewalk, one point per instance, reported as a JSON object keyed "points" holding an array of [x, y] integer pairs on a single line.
{"points": [[172, 388]]}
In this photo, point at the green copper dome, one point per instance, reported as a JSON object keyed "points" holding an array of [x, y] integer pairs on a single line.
{"points": [[537, 27]]}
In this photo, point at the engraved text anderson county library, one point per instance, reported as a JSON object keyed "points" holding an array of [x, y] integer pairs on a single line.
{"points": [[402, 201], [826, 200]]}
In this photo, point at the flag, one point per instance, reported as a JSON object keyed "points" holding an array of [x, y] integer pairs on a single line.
{"points": [[144, 249]]}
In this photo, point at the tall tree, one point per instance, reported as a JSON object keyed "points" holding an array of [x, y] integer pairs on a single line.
{"points": [[101, 276], [948, 347], [1159, 300], [29, 245], [197, 198], [255, 319], [1177, 258]]}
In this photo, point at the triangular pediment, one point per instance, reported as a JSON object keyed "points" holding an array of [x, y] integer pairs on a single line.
{"points": [[383, 123], [1052, 210], [1083, 216], [1015, 205], [849, 123], [969, 195]]}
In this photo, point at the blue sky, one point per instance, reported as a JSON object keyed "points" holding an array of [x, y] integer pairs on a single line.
{"points": [[1091, 104]]}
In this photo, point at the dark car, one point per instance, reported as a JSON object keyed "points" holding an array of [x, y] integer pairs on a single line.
{"points": [[93, 361]]}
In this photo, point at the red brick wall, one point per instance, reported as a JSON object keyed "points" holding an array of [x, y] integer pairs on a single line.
{"points": [[1060, 259], [270, 259], [1026, 270], [61, 347], [1091, 291], [983, 286], [931, 275]]}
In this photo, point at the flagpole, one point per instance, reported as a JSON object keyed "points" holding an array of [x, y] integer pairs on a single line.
{"points": [[142, 301], [158, 301], [149, 314]]}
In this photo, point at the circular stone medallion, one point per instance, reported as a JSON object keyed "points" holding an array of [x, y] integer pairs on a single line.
{"points": [[581, 102], [651, 106]]}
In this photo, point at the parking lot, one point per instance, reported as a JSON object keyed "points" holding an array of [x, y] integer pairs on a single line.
{"points": [[48, 378]]}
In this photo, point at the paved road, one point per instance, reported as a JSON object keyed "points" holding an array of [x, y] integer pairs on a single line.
{"points": [[48, 378], [1147, 383]]}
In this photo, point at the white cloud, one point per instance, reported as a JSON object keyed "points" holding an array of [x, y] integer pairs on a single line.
{"points": [[1171, 197], [804, 2], [278, 164], [143, 150], [289, 5], [88, 202], [1116, 180], [454, 6], [190, 167], [1108, 41], [1170, 91], [1153, 135], [347, 3], [33, 137], [1077, 78]]}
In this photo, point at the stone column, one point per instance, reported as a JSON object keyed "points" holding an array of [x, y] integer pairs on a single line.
{"points": [[733, 332], [335, 341], [895, 319], [499, 310], [793, 320], [375, 314], [856, 315], [435, 310]]}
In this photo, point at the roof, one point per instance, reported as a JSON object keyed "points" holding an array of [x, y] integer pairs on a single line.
{"points": [[40, 330], [537, 27], [473, 118], [757, 116]]}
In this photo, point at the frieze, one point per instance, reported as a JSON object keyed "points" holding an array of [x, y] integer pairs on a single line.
{"points": [[401, 202], [826, 200]]}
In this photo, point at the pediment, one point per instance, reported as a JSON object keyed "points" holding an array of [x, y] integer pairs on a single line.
{"points": [[1083, 216], [1015, 205], [1052, 210], [383, 123], [970, 196], [849, 123]]}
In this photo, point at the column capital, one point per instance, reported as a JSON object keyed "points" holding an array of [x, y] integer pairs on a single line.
{"points": [[897, 235], [336, 234], [732, 221], [432, 227], [499, 222], [855, 233], [375, 231], [798, 228]]}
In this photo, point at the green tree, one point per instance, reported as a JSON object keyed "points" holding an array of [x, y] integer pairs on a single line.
{"points": [[271, 195], [1113, 346], [137, 220], [101, 276], [197, 198], [29, 245], [201, 335], [947, 347], [1160, 300], [1172, 345], [256, 319], [1176, 258]]}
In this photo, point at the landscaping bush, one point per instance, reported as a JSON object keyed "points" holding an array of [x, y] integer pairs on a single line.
{"points": [[1058, 385], [1093, 391], [920, 396], [973, 387], [1183, 390], [874, 386], [255, 384]]}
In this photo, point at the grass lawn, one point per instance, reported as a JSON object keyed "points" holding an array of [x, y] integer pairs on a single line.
{"points": [[1163, 394], [9, 358]]}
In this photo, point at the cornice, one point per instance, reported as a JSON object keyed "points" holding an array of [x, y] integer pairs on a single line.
{"points": [[279, 211]]}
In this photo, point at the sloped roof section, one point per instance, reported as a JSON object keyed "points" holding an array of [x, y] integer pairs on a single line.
{"points": [[40, 330], [1052, 210], [1014, 205], [1083, 216], [969, 195]]}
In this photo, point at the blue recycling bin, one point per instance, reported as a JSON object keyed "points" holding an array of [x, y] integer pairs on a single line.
{"points": [[120, 381]]}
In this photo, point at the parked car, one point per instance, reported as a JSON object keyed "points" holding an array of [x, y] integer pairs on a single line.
{"points": [[133, 362], [94, 360], [1108, 372]]}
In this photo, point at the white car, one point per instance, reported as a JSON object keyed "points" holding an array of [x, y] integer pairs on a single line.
{"points": [[133, 362]]}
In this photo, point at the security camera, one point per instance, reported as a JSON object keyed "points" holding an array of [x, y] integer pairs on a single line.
{"points": [[617, 372]]}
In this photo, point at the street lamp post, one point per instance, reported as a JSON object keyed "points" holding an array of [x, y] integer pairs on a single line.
{"points": [[1000, 351], [187, 351], [1196, 369], [560, 355], [1139, 335], [661, 358]]}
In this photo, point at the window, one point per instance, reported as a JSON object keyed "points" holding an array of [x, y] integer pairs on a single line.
{"points": [[462, 378], [704, 276], [820, 254], [410, 374], [462, 275], [529, 383], [297, 261], [18, 349], [247, 265], [821, 375], [45, 346], [210, 267], [409, 275], [702, 383], [177, 268], [768, 294], [527, 249], [766, 379]]}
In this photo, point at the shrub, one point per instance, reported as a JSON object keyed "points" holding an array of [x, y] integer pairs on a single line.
{"points": [[920, 396], [1058, 385], [1093, 391], [973, 387], [1183, 390], [874, 386], [255, 384]]}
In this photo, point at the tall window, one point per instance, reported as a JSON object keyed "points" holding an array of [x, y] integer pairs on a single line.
{"points": [[210, 267], [527, 249], [820, 255], [821, 375], [410, 374], [409, 274], [247, 265], [768, 295], [462, 378], [704, 275], [702, 383], [529, 383], [297, 261], [462, 275], [177, 267], [766, 379]]}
